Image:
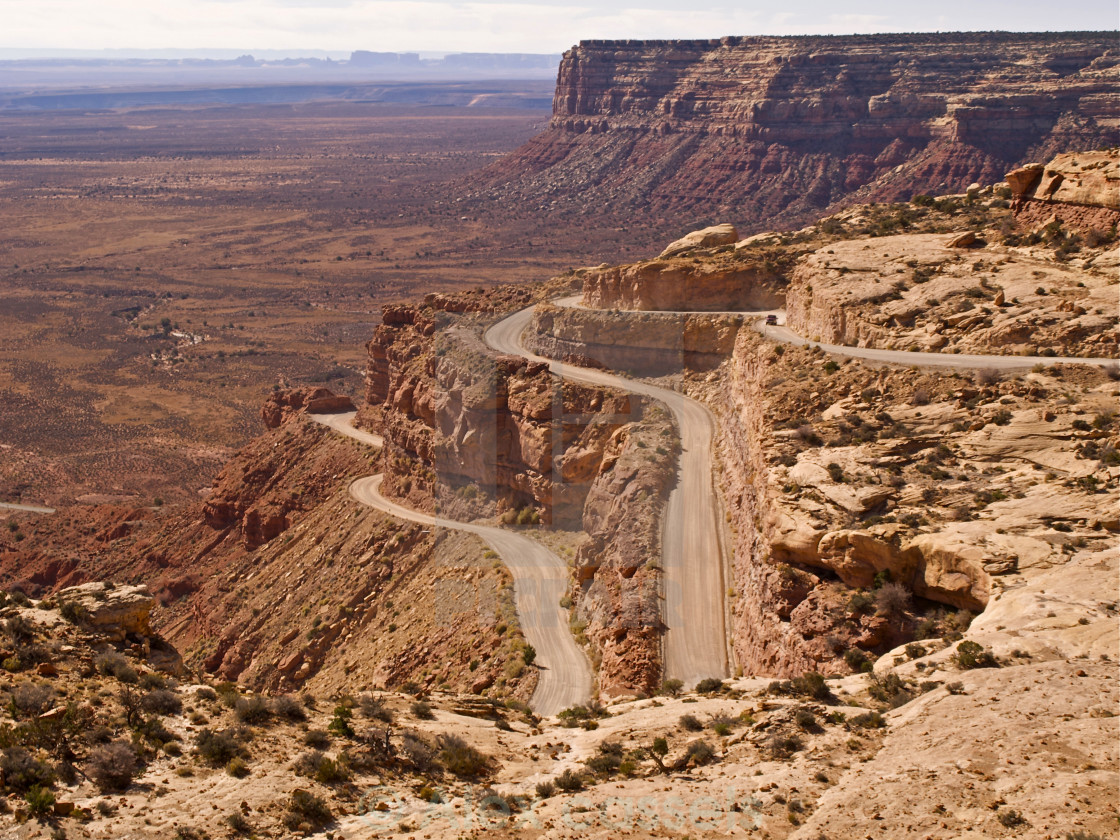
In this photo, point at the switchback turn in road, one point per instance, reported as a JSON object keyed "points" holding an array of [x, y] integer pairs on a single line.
{"points": [[540, 580], [692, 547]]}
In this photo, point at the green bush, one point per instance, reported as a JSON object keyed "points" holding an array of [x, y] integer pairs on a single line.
{"points": [[461, 758], [672, 687], [569, 781], [21, 771], [305, 807], [690, 723], [971, 655], [217, 748], [709, 685], [252, 710], [40, 801], [699, 753], [113, 766], [340, 722]]}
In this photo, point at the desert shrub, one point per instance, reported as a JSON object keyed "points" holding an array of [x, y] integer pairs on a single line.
{"points": [[288, 707], [868, 720], [305, 808], [581, 715], [722, 724], [161, 701], [20, 771], [31, 699], [709, 685], [860, 603], [461, 758], [238, 824], [422, 711], [971, 655], [890, 689], [811, 684], [569, 781], [237, 767], [988, 376], [891, 599], [782, 745], [836, 472], [672, 687], [805, 719], [915, 651], [374, 708], [112, 664], [40, 801], [1010, 818], [316, 738], [699, 753], [252, 710], [418, 752], [545, 790], [690, 723], [322, 768], [206, 693], [807, 435], [73, 612], [189, 832], [608, 759], [955, 687], [217, 748], [340, 721], [113, 766], [228, 693]]}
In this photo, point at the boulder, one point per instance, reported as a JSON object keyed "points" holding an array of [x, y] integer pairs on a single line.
{"points": [[949, 570], [114, 610], [1022, 179], [709, 237]]}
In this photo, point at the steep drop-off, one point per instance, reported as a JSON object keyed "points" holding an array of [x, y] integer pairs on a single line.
{"points": [[778, 129]]}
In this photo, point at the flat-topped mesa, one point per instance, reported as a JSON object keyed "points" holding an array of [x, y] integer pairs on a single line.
{"points": [[782, 128]]}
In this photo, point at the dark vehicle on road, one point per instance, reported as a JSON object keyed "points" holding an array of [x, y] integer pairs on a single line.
{"points": [[771, 320]]}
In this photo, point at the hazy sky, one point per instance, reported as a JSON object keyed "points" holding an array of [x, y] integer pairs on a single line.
{"points": [[486, 26]]}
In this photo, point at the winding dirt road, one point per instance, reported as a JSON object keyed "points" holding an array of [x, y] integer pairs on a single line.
{"points": [[540, 580], [695, 644], [27, 508], [908, 357]]}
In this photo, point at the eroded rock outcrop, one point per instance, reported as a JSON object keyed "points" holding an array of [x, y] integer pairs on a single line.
{"points": [[734, 282], [1081, 190], [115, 610], [507, 431], [281, 405]]}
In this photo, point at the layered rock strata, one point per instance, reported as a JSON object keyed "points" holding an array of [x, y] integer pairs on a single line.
{"points": [[1080, 190], [645, 344], [778, 129], [456, 417]]}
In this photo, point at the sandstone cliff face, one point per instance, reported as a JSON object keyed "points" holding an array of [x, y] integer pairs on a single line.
{"points": [[647, 343], [840, 482], [777, 129], [733, 283], [618, 581], [457, 419]]}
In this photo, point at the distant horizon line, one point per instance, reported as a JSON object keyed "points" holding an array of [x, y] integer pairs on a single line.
{"points": [[17, 53]]}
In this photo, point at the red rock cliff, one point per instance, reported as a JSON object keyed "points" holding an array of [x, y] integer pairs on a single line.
{"points": [[778, 129]]}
